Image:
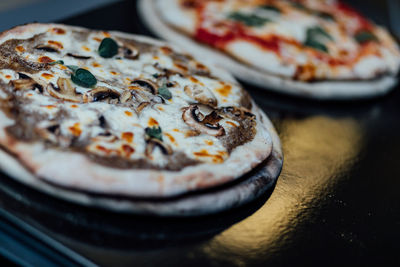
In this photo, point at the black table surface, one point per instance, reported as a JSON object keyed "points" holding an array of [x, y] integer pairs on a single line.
{"points": [[336, 201]]}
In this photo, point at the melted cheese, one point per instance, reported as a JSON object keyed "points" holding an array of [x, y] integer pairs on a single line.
{"points": [[125, 125], [288, 56]]}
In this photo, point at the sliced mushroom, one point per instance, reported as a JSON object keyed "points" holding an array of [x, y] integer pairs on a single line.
{"points": [[106, 138], [125, 96], [153, 142], [106, 133], [26, 83], [146, 84], [55, 128], [211, 119], [50, 132], [48, 48], [65, 90], [181, 67], [130, 51], [140, 96], [157, 100], [238, 112], [100, 93], [172, 84], [142, 106], [78, 56], [198, 68], [204, 124], [164, 72], [201, 94], [23, 76], [102, 121]]}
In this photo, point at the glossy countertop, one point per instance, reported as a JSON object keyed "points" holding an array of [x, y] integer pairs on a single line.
{"points": [[336, 202]]}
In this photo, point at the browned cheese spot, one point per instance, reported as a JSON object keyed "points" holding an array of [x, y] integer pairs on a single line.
{"points": [[127, 136], [45, 59], [49, 106], [152, 122], [225, 90], [305, 72], [214, 157], [75, 129], [166, 50], [182, 67], [58, 31], [47, 76], [209, 142], [170, 137], [56, 43], [128, 150], [191, 133], [20, 48]]}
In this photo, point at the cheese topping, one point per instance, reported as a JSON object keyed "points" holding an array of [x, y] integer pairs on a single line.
{"points": [[133, 105], [303, 40]]}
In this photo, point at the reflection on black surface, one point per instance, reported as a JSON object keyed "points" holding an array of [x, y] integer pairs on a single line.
{"points": [[107, 229], [318, 153]]}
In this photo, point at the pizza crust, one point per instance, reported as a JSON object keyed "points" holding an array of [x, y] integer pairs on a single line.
{"points": [[339, 90], [56, 171], [75, 171], [227, 197], [250, 187]]}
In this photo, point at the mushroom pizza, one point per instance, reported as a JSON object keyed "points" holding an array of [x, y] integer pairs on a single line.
{"points": [[117, 114]]}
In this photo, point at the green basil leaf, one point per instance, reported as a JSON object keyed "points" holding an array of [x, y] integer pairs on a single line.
{"points": [[270, 8], [321, 14], [316, 37], [317, 32], [164, 92], [250, 20], [316, 45], [57, 62], [365, 36], [108, 48], [154, 132], [83, 78]]}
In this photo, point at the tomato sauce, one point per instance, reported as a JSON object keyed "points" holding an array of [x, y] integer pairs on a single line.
{"points": [[237, 33], [220, 35]]}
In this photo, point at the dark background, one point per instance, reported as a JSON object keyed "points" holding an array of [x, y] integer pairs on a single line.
{"points": [[336, 202]]}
